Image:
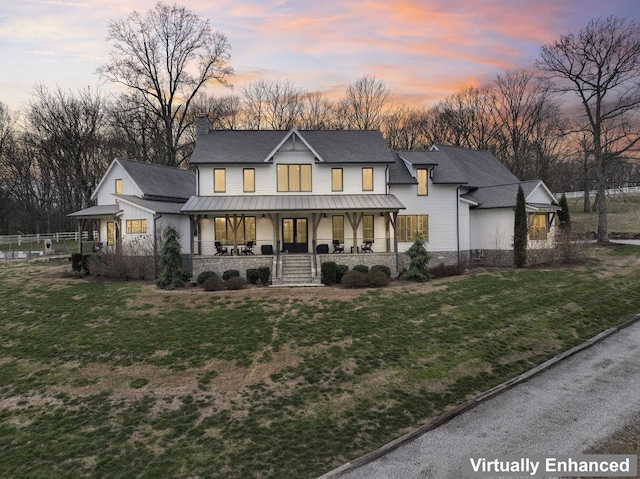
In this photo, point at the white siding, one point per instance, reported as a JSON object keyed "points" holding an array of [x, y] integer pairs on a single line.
{"points": [[491, 229], [107, 188], [539, 195], [181, 223], [266, 176], [440, 206]]}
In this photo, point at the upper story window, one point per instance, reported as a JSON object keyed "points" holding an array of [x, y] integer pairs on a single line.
{"points": [[118, 186], [336, 179], [249, 180], [294, 177], [219, 180], [422, 175], [367, 179]]}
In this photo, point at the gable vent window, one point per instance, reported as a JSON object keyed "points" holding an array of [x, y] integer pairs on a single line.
{"points": [[118, 186]]}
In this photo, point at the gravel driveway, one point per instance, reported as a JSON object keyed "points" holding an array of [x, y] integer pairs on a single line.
{"points": [[567, 409]]}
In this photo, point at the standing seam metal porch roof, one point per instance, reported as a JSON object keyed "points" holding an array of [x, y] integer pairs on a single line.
{"points": [[266, 203]]}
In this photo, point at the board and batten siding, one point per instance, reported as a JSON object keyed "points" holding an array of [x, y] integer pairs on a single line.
{"points": [[491, 229], [440, 206], [266, 177], [108, 186]]}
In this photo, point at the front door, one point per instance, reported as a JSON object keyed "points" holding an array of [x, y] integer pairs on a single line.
{"points": [[294, 235]]}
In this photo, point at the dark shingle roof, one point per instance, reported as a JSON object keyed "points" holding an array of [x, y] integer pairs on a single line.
{"points": [[478, 167], [399, 174], [161, 182], [502, 196], [255, 146]]}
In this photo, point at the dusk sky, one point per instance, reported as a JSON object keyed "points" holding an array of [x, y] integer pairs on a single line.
{"points": [[423, 49]]}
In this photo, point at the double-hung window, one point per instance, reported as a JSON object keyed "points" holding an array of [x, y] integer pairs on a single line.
{"points": [[219, 180]]}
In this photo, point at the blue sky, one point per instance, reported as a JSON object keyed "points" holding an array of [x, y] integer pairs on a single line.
{"points": [[423, 49]]}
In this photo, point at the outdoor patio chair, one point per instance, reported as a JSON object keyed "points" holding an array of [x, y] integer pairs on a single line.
{"points": [[337, 248], [247, 249], [220, 250], [366, 248]]}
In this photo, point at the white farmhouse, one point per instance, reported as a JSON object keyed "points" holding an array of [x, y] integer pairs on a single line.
{"points": [[292, 199], [134, 203]]}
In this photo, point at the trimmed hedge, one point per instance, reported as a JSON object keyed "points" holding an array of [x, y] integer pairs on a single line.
{"points": [[328, 271], [205, 275], [341, 270], [230, 273], [264, 272], [354, 279], [363, 268], [253, 275], [381, 267]]}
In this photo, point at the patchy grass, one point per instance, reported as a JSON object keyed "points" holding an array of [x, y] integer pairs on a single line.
{"points": [[123, 380]]}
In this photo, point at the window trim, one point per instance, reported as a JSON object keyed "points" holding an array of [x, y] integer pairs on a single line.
{"points": [[420, 171], [334, 236], [228, 230], [288, 168], [253, 180], [406, 236], [140, 230], [118, 186], [371, 238], [333, 179], [223, 171], [367, 169]]}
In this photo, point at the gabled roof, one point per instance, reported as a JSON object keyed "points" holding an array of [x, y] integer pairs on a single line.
{"points": [[504, 196], [156, 181], [259, 146], [153, 206], [160, 182], [478, 167], [490, 183]]}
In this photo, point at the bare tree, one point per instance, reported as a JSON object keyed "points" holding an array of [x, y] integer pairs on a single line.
{"points": [[167, 55], [527, 120], [601, 65], [318, 113], [401, 127], [276, 105], [225, 112], [466, 119], [363, 104], [63, 146]]}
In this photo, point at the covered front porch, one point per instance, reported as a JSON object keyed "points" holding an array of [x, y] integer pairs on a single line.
{"points": [[103, 226], [277, 226]]}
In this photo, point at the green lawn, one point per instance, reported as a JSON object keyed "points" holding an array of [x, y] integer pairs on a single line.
{"points": [[623, 214], [120, 380]]}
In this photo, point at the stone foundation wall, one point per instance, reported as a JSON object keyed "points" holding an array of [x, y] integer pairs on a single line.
{"points": [[220, 264], [368, 259]]}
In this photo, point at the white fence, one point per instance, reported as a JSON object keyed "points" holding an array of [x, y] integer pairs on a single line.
{"points": [[37, 238], [35, 245], [611, 191]]}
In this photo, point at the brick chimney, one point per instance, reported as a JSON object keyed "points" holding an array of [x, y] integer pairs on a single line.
{"points": [[203, 124]]}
